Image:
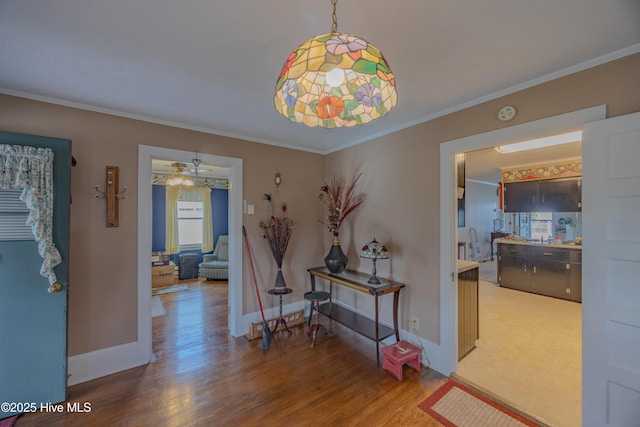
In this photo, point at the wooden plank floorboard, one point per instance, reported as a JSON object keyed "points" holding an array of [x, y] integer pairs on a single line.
{"points": [[200, 375]]}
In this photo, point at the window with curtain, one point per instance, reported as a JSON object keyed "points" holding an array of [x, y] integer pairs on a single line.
{"points": [[29, 170], [190, 223], [182, 210]]}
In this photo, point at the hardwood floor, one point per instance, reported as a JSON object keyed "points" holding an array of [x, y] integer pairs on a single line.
{"points": [[200, 375]]}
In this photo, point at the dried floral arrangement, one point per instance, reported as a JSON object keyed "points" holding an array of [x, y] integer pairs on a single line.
{"points": [[341, 200], [277, 231]]}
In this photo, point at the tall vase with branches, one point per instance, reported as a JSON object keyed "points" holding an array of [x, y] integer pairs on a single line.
{"points": [[340, 200], [277, 231]]}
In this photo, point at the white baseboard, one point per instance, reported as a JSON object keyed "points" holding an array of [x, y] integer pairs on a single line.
{"points": [[95, 364], [432, 355], [271, 313]]}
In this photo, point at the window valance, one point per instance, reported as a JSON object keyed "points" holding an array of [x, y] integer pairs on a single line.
{"points": [[30, 169]]}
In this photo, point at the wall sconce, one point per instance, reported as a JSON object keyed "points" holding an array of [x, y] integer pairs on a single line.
{"points": [[277, 179]]}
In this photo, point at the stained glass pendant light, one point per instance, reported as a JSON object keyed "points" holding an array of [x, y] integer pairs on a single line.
{"points": [[335, 80]]}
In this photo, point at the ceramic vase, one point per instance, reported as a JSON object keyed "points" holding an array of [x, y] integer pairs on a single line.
{"points": [[336, 261]]}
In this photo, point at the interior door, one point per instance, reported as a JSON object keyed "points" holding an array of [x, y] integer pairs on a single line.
{"points": [[33, 322], [611, 264]]}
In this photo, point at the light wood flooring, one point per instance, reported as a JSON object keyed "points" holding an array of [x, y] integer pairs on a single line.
{"points": [[200, 375], [529, 351]]}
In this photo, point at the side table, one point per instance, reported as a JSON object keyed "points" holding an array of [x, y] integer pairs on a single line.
{"points": [[280, 292], [370, 328]]}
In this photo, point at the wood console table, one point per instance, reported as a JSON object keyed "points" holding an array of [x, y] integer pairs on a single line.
{"points": [[369, 328]]}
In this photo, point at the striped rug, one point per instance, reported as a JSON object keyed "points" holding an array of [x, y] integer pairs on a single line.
{"points": [[8, 422], [455, 405]]}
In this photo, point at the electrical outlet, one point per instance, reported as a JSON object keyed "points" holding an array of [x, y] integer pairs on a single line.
{"points": [[415, 324]]}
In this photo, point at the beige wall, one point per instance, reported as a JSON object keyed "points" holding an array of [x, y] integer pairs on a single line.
{"points": [[103, 265], [401, 174]]}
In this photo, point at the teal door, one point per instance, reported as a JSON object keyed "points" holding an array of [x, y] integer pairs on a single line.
{"points": [[33, 321]]}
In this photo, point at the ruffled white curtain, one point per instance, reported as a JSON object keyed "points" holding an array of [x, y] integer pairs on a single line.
{"points": [[187, 194], [31, 170]]}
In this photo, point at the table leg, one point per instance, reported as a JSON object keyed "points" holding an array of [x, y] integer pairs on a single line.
{"points": [[330, 297], [396, 298], [377, 335], [313, 288], [281, 320]]}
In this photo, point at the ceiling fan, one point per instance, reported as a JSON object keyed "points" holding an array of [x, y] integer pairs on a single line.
{"points": [[196, 162]]}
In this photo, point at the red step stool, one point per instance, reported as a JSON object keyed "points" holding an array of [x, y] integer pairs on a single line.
{"points": [[396, 355]]}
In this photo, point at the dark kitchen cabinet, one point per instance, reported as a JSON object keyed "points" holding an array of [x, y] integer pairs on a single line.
{"points": [[468, 325], [550, 272], [513, 267], [575, 276], [550, 195], [521, 196], [560, 195], [544, 270]]}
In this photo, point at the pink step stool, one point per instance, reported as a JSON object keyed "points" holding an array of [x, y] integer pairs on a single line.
{"points": [[396, 355]]}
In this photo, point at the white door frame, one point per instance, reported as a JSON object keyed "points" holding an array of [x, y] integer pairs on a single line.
{"points": [[448, 227], [145, 155]]}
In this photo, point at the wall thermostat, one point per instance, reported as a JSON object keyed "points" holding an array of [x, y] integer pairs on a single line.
{"points": [[507, 113]]}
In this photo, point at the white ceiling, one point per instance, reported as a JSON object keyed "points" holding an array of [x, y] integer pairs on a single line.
{"points": [[211, 65], [485, 165], [203, 170]]}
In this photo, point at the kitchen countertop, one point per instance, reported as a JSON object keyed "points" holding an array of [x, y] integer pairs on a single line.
{"points": [[553, 245], [464, 265]]}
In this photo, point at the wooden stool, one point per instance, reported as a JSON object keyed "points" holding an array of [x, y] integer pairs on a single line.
{"points": [[396, 355], [316, 297]]}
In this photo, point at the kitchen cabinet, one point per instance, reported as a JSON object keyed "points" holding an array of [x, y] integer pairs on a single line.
{"points": [[550, 272], [521, 196], [560, 195], [541, 269], [513, 267], [468, 324], [575, 275], [550, 195]]}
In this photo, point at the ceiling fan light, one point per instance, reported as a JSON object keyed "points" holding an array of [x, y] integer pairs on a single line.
{"points": [[178, 178]]}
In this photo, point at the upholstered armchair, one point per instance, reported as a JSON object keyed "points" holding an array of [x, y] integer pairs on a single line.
{"points": [[215, 266]]}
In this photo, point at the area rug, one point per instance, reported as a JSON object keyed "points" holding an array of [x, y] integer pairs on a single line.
{"points": [[157, 309], [8, 422], [455, 405], [169, 289]]}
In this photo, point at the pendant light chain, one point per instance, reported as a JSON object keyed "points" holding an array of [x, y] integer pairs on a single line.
{"points": [[334, 27]]}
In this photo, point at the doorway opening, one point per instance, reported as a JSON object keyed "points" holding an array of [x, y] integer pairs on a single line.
{"points": [[146, 154], [184, 244], [449, 233]]}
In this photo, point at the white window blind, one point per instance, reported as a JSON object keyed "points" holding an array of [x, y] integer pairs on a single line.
{"points": [[13, 217], [190, 216]]}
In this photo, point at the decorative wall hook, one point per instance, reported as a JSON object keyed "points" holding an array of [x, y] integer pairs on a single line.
{"points": [[121, 194], [99, 194], [112, 195]]}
